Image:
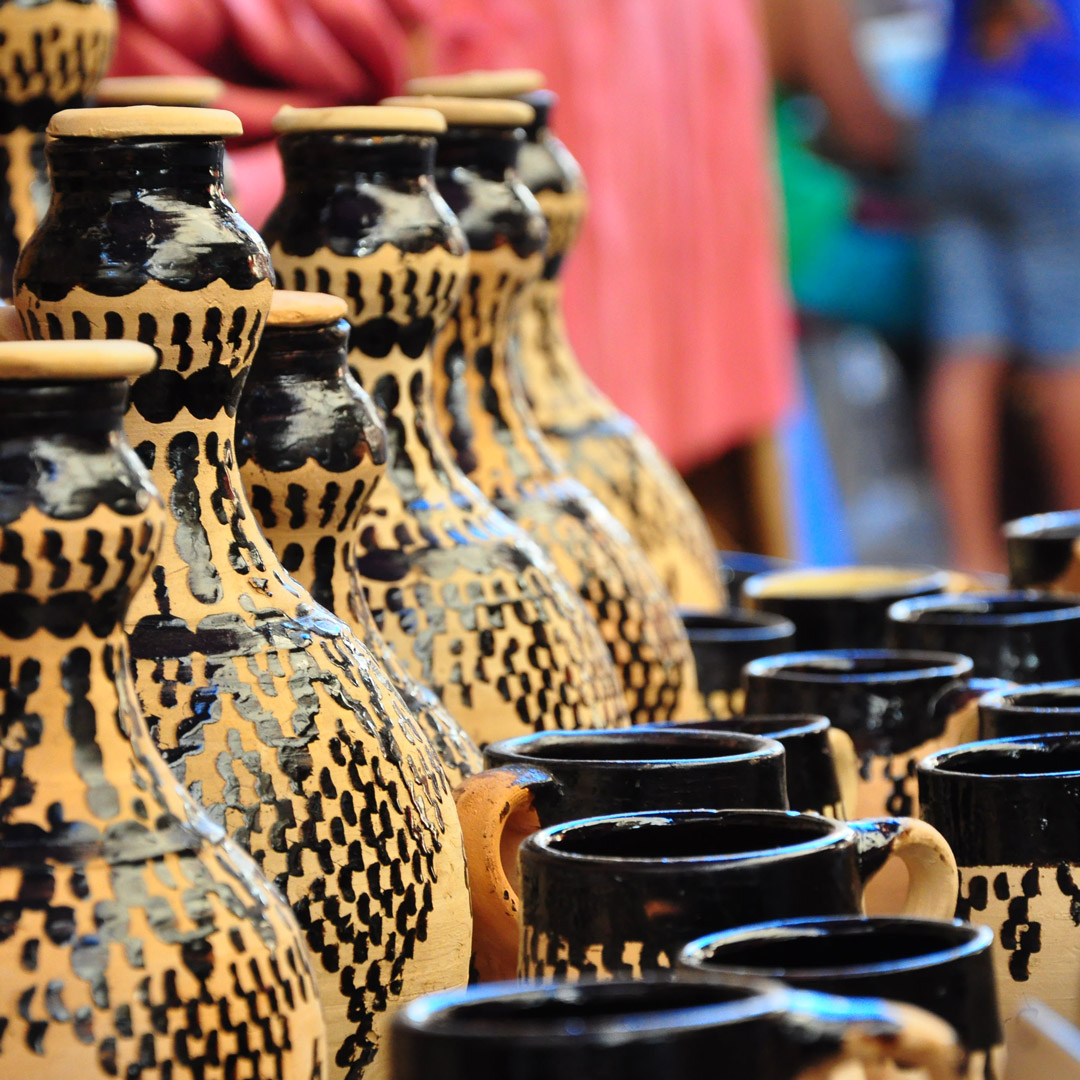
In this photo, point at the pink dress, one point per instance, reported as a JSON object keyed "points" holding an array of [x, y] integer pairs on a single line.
{"points": [[675, 297]]}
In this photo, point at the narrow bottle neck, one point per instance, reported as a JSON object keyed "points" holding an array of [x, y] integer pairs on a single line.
{"points": [[91, 410], [328, 159], [488, 152]]}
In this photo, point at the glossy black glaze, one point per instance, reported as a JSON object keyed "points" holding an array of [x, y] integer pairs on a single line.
{"points": [[1040, 548], [723, 642], [594, 890], [1024, 637], [851, 621], [887, 701], [582, 774], [1011, 802], [945, 967], [811, 770], [1040, 709], [644, 1030], [736, 567]]}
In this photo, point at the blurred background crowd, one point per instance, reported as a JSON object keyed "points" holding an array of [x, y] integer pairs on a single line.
{"points": [[832, 260]]}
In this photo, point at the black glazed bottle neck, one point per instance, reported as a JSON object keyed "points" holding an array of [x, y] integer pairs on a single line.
{"points": [[92, 410], [322, 159], [489, 152], [301, 352]]}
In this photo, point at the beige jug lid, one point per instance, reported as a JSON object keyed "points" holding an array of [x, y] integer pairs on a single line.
{"points": [[359, 118], [143, 121], [505, 83], [47, 360], [472, 112], [289, 307]]}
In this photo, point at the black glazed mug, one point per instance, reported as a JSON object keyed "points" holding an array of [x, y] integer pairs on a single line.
{"points": [[840, 607], [1024, 637], [536, 781], [737, 566], [622, 895], [1041, 709], [944, 966], [1042, 551], [1010, 808], [663, 1030], [819, 759], [723, 643]]}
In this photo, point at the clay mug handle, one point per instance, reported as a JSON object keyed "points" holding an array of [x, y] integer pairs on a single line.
{"points": [[497, 812], [933, 878], [846, 763]]}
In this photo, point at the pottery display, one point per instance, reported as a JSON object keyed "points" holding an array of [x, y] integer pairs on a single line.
{"points": [[1024, 637], [820, 761], [264, 704], [52, 54], [1039, 709], [943, 966], [535, 781], [1043, 551], [1010, 809], [840, 607], [618, 896], [469, 603], [136, 940], [723, 643], [649, 1029], [602, 448], [311, 449], [495, 438]]}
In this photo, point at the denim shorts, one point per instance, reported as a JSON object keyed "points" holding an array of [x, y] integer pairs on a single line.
{"points": [[1001, 185]]}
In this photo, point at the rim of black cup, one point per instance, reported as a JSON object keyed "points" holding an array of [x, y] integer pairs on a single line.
{"points": [[951, 762], [838, 667], [753, 562], [819, 832], [741, 747], [735, 624], [922, 578], [1059, 525], [1013, 607], [774, 725], [1021, 698], [700, 955]]}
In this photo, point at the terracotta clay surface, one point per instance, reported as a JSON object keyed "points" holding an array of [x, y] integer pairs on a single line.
{"points": [[137, 940]]}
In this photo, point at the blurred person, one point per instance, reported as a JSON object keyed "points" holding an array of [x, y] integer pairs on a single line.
{"points": [[999, 163]]}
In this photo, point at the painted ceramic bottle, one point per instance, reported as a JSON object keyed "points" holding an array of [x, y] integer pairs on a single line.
{"points": [[135, 938], [491, 428], [603, 448], [265, 705], [468, 602], [312, 448], [52, 55]]}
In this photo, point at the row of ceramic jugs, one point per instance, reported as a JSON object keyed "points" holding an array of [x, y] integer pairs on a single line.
{"points": [[414, 572]]}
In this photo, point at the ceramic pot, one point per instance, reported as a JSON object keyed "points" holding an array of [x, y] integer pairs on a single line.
{"points": [[53, 54], [1011, 811], [643, 1030], [1023, 637], [840, 607], [723, 643], [621, 895], [134, 934], [1041, 709], [496, 439], [537, 781], [820, 760], [943, 966], [311, 449], [1042, 551], [265, 705], [469, 603], [602, 448]]}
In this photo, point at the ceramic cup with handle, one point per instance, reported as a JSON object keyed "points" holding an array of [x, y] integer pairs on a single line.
{"points": [[665, 1030], [621, 895], [1040, 709], [545, 779], [944, 966], [821, 764], [1043, 551], [1010, 809], [1022, 636]]}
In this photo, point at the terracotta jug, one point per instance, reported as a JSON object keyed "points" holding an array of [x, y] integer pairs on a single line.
{"points": [[264, 703], [469, 603], [136, 940], [603, 448], [494, 434], [52, 55], [311, 449]]}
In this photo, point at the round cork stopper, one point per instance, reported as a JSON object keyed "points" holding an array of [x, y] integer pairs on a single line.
{"points": [[196, 90], [359, 118], [48, 360], [143, 121], [472, 112], [291, 308], [508, 83]]}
